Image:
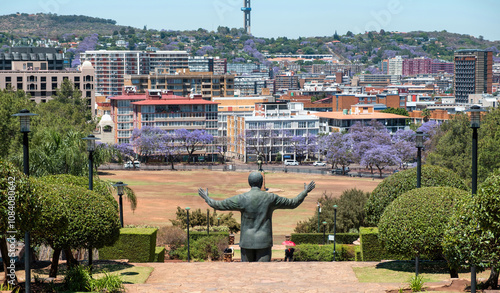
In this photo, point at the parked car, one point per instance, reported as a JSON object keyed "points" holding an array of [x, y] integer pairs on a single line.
{"points": [[338, 171], [319, 163], [291, 163], [130, 165]]}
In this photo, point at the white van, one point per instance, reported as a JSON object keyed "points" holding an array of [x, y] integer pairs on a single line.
{"points": [[291, 163]]}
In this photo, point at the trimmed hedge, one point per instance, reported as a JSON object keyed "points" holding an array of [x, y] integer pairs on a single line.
{"points": [[315, 252], [317, 238], [371, 249], [194, 235], [401, 182], [160, 254], [357, 253], [134, 244]]}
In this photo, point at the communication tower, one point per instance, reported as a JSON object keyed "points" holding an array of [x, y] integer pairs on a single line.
{"points": [[246, 12]]}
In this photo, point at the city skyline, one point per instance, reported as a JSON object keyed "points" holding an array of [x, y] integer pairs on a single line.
{"points": [[290, 18]]}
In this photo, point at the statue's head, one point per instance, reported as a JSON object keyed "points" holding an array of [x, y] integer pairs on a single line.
{"points": [[255, 179]]}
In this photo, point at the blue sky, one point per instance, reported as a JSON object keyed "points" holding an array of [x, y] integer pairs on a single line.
{"points": [[290, 18]]}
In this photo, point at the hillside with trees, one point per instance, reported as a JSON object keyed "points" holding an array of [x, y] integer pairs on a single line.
{"points": [[234, 44]]}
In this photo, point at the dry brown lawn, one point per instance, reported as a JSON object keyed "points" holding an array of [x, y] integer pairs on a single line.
{"points": [[159, 193]]}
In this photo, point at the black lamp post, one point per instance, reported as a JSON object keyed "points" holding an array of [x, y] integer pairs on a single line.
{"points": [[475, 123], [218, 222], [25, 117], [419, 143], [119, 188], [91, 149], [208, 221], [324, 233], [334, 231], [319, 213], [187, 224]]}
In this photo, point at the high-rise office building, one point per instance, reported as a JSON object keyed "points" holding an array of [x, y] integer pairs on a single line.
{"points": [[112, 66], [473, 73]]}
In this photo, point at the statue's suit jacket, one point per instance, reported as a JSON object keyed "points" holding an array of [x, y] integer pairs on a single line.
{"points": [[256, 207]]}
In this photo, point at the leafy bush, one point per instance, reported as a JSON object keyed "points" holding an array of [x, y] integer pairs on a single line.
{"points": [[401, 182], [371, 249], [77, 279], [315, 252], [160, 254], [172, 236], [416, 283], [205, 248], [108, 283], [350, 212], [199, 218], [414, 223]]}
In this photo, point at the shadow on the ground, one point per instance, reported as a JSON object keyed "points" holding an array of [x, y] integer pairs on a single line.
{"points": [[425, 266]]}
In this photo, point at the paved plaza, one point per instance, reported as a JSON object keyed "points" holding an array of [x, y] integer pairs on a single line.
{"points": [[256, 277]]}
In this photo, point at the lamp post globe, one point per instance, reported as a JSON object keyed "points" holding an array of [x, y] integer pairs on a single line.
{"points": [[120, 186]]}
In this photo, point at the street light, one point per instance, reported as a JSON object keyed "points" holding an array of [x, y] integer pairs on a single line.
{"points": [[218, 221], [475, 123], [419, 143], [187, 223], [208, 222], [91, 148], [324, 232], [334, 230], [119, 189], [25, 116]]}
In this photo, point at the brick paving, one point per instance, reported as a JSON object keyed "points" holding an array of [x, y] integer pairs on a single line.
{"points": [[256, 277]]}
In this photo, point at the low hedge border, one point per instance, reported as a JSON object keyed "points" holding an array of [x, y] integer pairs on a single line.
{"points": [[317, 238], [134, 244]]}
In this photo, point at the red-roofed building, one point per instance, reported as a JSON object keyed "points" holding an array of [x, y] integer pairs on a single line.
{"points": [[160, 109]]}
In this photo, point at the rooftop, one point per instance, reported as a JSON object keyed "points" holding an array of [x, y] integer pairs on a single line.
{"points": [[342, 116]]}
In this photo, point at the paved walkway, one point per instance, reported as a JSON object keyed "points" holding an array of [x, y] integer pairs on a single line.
{"points": [[256, 278]]}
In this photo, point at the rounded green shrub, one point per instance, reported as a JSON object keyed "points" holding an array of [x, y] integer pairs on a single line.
{"points": [[401, 182], [415, 222]]}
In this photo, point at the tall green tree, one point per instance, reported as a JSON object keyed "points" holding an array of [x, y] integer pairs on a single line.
{"points": [[473, 232], [350, 212], [11, 102]]}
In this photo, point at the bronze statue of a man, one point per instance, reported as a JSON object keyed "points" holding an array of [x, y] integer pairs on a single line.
{"points": [[256, 207]]}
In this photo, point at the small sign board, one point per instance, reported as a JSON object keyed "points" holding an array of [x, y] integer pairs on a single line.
{"points": [[331, 237]]}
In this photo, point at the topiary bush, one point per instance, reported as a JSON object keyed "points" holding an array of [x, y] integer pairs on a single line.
{"points": [[401, 182], [134, 244], [414, 223]]}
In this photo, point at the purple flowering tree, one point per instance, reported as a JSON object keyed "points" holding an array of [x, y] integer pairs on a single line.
{"points": [[299, 145], [337, 148], [367, 137], [380, 156], [404, 145], [125, 151], [169, 148], [192, 141], [88, 44], [147, 141]]}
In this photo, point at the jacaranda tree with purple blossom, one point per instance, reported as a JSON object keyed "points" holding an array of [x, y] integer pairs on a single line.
{"points": [[192, 141], [337, 149], [404, 145]]}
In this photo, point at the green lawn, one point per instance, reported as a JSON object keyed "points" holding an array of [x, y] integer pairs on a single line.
{"points": [[402, 271]]}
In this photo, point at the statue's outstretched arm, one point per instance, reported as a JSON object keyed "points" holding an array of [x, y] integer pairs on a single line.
{"points": [[203, 193]]}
